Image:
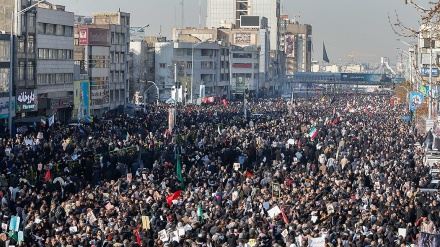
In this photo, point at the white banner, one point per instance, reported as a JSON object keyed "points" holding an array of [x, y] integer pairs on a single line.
{"points": [[317, 242]]}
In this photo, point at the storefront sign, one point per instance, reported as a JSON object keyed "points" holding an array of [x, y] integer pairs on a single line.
{"points": [[60, 103], [94, 36], [26, 100], [242, 65]]}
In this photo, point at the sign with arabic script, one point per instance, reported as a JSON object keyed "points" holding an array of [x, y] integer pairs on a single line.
{"points": [[26, 100]]}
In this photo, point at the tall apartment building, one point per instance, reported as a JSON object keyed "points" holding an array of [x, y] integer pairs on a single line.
{"points": [[43, 58], [296, 42], [223, 13], [101, 51]]}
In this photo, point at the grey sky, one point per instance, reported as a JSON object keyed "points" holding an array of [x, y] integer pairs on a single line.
{"points": [[344, 25]]}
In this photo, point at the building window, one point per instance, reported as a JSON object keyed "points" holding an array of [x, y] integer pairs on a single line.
{"points": [[68, 31], [4, 80], [116, 57], [113, 38], [59, 30], [207, 65], [21, 45], [41, 28], [189, 65], [21, 69], [162, 65], [31, 43], [31, 20], [189, 52], [206, 52], [30, 70], [180, 52], [40, 53], [121, 58], [122, 39], [58, 78], [4, 51], [50, 29]]}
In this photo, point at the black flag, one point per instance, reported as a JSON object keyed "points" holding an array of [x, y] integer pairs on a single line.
{"points": [[324, 54]]}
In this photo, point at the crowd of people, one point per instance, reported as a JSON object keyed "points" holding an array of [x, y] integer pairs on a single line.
{"points": [[326, 171]]}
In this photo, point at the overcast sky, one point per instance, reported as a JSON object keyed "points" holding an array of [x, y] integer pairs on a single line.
{"points": [[344, 25]]}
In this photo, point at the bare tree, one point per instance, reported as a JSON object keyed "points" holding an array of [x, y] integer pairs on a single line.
{"points": [[429, 19]]}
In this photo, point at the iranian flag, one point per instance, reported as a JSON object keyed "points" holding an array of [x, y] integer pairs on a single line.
{"points": [[313, 132], [43, 122]]}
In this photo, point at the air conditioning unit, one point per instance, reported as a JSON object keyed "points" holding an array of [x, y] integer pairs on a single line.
{"points": [[2, 32]]}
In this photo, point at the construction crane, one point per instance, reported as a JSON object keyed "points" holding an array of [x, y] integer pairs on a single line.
{"points": [[354, 54]]}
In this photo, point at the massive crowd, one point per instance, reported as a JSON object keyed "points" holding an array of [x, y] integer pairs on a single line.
{"points": [[341, 171]]}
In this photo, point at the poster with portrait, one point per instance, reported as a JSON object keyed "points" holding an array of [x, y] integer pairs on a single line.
{"points": [[416, 100]]}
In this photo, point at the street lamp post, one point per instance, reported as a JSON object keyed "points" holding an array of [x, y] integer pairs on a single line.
{"points": [[157, 93], [11, 61]]}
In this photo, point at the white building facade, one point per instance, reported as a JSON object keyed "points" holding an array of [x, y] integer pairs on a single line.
{"points": [[207, 66]]}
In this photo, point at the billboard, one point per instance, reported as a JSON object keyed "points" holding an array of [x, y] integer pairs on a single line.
{"points": [[240, 84], [425, 71], [81, 98], [26, 100], [376, 78], [250, 21], [94, 36], [4, 107], [244, 38], [137, 33], [416, 100], [289, 47]]}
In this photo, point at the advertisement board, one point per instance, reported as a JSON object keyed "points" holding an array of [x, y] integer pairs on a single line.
{"points": [[425, 71], [94, 36], [244, 38], [249, 21], [240, 84], [4, 107], [81, 98], [26, 100], [416, 100], [365, 77], [289, 47]]}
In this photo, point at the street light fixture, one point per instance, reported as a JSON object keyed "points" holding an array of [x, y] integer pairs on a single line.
{"points": [[192, 66], [11, 60], [157, 93]]}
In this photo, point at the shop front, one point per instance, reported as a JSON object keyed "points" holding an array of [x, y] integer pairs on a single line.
{"points": [[61, 108]]}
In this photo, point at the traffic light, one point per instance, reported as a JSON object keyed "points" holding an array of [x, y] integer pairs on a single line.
{"points": [[137, 80], [157, 96]]}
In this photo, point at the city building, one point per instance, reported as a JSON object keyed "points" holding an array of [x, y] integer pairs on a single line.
{"points": [[227, 13], [43, 56], [4, 80], [202, 62], [296, 42], [101, 52], [92, 55]]}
